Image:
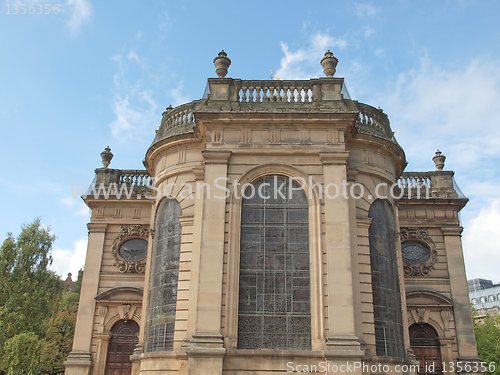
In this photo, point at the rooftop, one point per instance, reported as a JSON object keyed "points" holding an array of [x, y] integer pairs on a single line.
{"points": [[318, 96]]}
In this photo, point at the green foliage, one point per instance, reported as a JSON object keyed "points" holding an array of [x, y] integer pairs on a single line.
{"points": [[488, 340], [23, 354], [30, 293], [59, 337]]}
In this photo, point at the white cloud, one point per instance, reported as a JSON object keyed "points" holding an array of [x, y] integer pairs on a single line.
{"points": [[165, 25], [481, 245], [133, 104], [135, 115], [66, 260], [81, 12], [368, 31], [178, 96], [454, 110], [458, 100], [81, 208], [366, 10], [132, 55], [304, 62], [68, 201]]}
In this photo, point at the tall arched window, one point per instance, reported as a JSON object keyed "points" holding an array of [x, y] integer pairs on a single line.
{"points": [[385, 281], [274, 310], [164, 277]]}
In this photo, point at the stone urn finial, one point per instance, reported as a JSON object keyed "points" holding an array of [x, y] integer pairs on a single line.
{"points": [[106, 157], [221, 63], [439, 159], [329, 64]]}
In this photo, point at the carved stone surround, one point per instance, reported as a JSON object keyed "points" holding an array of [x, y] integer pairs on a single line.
{"points": [[419, 235], [129, 232]]}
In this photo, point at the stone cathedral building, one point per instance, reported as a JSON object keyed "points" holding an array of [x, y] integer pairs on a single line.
{"points": [[273, 230]]}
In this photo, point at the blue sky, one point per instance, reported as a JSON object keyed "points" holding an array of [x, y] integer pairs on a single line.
{"points": [[101, 73]]}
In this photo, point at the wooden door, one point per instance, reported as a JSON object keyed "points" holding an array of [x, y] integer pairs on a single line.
{"points": [[124, 338], [425, 345]]}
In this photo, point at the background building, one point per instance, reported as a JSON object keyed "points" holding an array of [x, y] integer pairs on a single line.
{"points": [[484, 296], [478, 284], [273, 227]]}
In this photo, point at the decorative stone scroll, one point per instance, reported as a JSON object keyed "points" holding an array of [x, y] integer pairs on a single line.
{"points": [[130, 248], [419, 251]]}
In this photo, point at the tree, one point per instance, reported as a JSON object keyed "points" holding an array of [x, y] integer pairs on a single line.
{"points": [[488, 341], [29, 291], [23, 354], [59, 337]]}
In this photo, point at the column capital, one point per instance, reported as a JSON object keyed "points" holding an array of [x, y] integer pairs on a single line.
{"points": [[199, 173], [335, 158], [103, 336], [452, 230], [97, 227], [216, 157]]}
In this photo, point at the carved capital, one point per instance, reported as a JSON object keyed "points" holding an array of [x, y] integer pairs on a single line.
{"points": [[335, 158], [97, 227], [216, 157]]}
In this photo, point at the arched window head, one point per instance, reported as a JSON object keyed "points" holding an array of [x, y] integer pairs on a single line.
{"points": [[274, 310], [385, 281], [164, 277]]}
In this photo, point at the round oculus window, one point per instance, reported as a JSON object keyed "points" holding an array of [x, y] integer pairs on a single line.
{"points": [[415, 252], [134, 249]]}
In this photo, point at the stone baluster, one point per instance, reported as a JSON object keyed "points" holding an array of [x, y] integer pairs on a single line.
{"points": [[257, 95]]}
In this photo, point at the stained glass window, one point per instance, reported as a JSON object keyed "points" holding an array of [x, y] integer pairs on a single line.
{"points": [[274, 310], [385, 281], [164, 278]]}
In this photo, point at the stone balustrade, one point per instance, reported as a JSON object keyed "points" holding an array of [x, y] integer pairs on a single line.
{"points": [[373, 120], [236, 95], [414, 180], [275, 91], [140, 178], [177, 120], [110, 182], [423, 185]]}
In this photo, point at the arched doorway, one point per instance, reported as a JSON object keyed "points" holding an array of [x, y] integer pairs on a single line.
{"points": [[124, 338], [425, 345]]}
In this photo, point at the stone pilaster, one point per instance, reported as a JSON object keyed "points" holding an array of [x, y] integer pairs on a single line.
{"points": [[206, 348], [136, 360], [79, 361], [459, 293], [101, 353], [342, 342]]}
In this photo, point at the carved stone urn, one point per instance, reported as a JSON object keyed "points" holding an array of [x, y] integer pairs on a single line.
{"points": [[329, 64], [106, 157], [439, 159], [221, 63]]}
